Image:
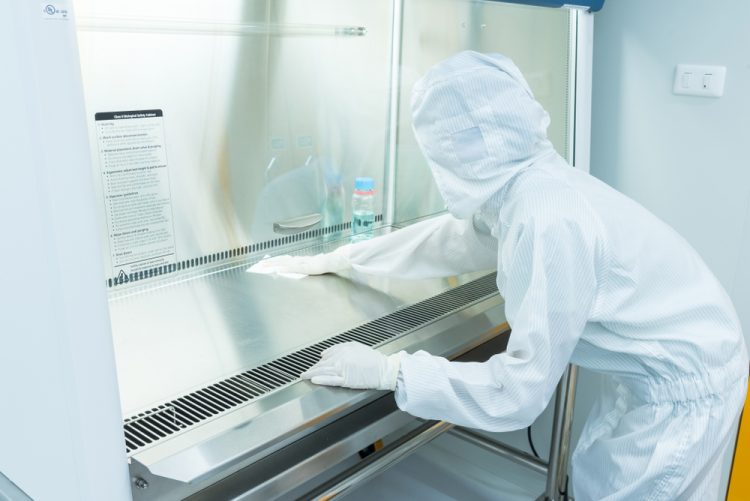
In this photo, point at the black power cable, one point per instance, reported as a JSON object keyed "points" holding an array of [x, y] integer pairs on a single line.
{"points": [[564, 493], [531, 442]]}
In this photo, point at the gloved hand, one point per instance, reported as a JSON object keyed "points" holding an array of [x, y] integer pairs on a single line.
{"points": [[354, 365], [319, 264]]}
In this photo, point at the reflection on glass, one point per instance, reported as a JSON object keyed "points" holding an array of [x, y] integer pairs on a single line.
{"points": [[313, 187]]}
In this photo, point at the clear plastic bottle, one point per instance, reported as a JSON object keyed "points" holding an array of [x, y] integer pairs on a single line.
{"points": [[363, 209]]}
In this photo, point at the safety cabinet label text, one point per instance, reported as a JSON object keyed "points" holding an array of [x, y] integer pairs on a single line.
{"points": [[137, 197]]}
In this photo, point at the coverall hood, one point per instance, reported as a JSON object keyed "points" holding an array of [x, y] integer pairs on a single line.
{"points": [[478, 125]]}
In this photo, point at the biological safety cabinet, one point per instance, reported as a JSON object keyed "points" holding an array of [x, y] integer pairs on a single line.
{"points": [[158, 149]]}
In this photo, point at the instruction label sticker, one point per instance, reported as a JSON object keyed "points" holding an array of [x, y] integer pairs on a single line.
{"points": [[137, 197]]}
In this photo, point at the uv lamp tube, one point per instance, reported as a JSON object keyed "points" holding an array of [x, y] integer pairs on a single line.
{"points": [[192, 27]]}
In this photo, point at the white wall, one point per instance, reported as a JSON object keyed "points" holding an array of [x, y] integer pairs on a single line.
{"points": [[684, 158]]}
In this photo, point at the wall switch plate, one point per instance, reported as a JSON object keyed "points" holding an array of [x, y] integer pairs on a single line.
{"points": [[698, 80]]}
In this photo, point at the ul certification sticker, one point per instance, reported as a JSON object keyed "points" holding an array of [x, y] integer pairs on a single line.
{"points": [[137, 198], [54, 11]]}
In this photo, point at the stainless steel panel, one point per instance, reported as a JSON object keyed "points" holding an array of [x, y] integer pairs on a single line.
{"points": [[262, 426], [350, 480], [271, 109], [318, 462], [176, 337]]}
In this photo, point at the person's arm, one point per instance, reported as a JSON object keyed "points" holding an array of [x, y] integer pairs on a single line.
{"points": [[550, 291], [437, 247]]}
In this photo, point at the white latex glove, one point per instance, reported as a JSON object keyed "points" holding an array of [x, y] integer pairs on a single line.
{"points": [[354, 365], [319, 264]]}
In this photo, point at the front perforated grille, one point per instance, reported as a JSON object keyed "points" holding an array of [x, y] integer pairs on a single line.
{"points": [[189, 410]]}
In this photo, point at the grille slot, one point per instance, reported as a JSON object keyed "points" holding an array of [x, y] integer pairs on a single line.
{"points": [[204, 398], [350, 336], [291, 365], [198, 406], [267, 377], [188, 412], [305, 356], [150, 426]]}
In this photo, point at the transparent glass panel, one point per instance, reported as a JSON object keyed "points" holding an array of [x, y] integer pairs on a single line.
{"points": [[537, 39], [211, 121]]}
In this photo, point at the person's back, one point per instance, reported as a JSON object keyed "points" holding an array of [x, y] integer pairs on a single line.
{"points": [[661, 326], [661, 302]]}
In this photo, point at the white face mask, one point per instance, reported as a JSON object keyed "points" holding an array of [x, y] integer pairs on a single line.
{"points": [[477, 124]]}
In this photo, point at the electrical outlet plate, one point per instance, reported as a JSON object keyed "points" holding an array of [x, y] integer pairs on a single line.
{"points": [[699, 80]]}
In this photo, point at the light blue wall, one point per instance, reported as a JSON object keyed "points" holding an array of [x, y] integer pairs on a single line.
{"points": [[684, 158]]}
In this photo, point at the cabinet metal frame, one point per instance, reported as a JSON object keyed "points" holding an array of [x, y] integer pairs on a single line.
{"points": [[555, 468]]}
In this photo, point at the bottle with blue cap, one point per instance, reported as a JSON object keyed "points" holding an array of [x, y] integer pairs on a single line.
{"points": [[363, 209]]}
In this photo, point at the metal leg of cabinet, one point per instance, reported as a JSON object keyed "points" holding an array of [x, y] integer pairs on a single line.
{"points": [[556, 468], [557, 476]]}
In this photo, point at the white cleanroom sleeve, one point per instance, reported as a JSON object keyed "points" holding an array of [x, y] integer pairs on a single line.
{"points": [[437, 247], [550, 290]]}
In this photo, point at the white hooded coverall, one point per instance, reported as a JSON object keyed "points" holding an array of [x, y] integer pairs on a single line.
{"points": [[588, 276]]}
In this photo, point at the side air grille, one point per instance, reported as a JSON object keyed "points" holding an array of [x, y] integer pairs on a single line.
{"points": [[169, 418]]}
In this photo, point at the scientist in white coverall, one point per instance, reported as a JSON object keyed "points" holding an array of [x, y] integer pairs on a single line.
{"points": [[588, 277]]}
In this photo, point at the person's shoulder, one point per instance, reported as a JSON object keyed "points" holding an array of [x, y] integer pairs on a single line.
{"points": [[546, 199]]}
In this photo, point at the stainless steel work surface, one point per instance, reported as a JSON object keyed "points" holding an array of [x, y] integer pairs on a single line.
{"points": [[173, 338]]}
